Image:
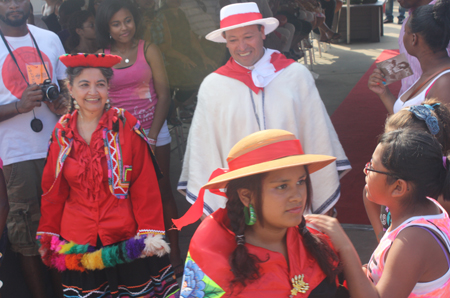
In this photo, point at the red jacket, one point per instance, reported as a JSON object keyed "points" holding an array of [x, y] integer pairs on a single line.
{"points": [[107, 189]]}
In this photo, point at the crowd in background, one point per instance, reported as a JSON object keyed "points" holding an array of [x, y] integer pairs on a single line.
{"points": [[179, 27]]}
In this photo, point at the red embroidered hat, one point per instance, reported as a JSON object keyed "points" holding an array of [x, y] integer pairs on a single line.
{"points": [[90, 60], [240, 15]]}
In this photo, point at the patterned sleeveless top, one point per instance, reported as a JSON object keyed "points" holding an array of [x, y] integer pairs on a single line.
{"points": [[440, 225]]}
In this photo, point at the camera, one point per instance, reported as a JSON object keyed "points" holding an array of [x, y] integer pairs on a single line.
{"points": [[50, 91]]}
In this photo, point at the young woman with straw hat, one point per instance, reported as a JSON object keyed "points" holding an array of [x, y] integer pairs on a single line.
{"points": [[259, 245]]}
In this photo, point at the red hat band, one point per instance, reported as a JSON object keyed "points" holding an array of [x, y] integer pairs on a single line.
{"points": [[267, 153], [241, 18]]}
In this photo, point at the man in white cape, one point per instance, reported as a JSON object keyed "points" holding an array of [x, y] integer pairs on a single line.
{"points": [[257, 89]]}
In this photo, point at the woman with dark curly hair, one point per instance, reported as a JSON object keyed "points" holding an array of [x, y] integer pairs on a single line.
{"points": [[260, 244]]}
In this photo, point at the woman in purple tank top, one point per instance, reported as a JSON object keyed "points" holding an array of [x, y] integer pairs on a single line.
{"points": [[140, 86]]}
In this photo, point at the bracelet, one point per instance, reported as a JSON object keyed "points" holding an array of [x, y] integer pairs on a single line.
{"points": [[17, 108], [152, 141]]}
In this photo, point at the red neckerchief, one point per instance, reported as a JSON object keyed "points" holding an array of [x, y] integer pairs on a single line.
{"points": [[233, 70]]}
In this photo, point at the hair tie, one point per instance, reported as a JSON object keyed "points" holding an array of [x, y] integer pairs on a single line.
{"points": [[431, 107], [444, 161], [240, 239], [424, 113]]}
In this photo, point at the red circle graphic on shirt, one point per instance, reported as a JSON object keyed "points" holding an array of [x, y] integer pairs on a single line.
{"points": [[12, 79]]}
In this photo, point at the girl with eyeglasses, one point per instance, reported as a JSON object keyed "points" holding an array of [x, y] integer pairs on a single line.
{"points": [[406, 172], [379, 216]]}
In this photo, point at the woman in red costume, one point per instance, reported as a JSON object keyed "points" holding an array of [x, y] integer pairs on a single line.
{"points": [[260, 245], [102, 220]]}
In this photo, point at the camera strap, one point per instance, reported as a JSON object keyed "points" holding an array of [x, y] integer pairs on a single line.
{"points": [[15, 60], [40, 55], [36, 124], [13, 57]]}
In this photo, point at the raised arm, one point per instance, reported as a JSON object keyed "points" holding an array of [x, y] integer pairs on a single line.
{"points": [[413, 257], [377, 85]]}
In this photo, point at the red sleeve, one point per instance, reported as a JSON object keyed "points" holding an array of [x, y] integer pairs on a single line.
{"points": [[144, 189], [55, 193]]}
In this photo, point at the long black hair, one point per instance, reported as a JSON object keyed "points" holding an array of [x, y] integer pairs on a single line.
{"points": [[432, 22], [105, 12]]}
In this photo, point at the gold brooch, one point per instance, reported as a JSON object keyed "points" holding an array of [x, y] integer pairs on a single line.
{"points": [[299, 285]]}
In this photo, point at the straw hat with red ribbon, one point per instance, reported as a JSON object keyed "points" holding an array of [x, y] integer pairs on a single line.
{"points": [[240, 15], [260, 152]]}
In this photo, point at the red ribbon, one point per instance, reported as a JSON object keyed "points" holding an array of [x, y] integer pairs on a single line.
{"points": [[267, 153], [237, 19], [196, 210]]}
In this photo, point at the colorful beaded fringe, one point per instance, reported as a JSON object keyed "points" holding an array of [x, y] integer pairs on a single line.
{"points": [[63, 255]]}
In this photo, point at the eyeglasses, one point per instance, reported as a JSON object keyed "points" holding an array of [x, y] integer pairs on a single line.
{"points": [[368, 167]]}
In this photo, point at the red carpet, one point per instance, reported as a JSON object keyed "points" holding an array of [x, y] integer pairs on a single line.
{"points": [[358, 121]]}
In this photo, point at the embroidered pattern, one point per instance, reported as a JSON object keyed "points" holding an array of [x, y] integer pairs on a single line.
{"points": [[197, 284], [117, 172], [154, 232], [162, 285], [65, 144], [299, 285], [138, 130]]}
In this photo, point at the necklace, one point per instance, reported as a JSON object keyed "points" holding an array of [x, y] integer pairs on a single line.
{"points": [[126, 60]]}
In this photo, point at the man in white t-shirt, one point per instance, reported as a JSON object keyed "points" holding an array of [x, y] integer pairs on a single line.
{"points": [[28, 56]]}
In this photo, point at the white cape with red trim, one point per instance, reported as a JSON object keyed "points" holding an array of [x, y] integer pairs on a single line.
{"points": [[228, 111]]}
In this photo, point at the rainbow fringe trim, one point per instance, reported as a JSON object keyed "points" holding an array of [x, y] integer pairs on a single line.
{"points": [[63, 255]]}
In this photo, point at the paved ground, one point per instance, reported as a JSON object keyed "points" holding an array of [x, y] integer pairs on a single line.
{"points": [[339, 70]]}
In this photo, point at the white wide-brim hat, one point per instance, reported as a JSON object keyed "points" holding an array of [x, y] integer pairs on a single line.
{"points": [[240, 15]]}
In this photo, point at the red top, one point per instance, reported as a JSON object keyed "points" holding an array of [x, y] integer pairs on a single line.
{"points": [[78, 204], [213, 243]]}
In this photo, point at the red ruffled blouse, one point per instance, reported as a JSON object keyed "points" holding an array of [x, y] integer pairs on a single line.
{"points": [[79, 202]]}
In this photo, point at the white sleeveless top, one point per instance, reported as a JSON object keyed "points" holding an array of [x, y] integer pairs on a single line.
{"points": [[419, 98]]}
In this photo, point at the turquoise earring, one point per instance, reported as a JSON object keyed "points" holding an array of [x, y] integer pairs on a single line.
{"points": [[250, 215]]}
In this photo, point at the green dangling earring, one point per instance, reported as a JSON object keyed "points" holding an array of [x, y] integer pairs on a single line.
{"points": [[250, 215]]}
